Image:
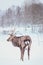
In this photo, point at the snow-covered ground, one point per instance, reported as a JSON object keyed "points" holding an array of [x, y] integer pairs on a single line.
{"points": [[10, 55]]}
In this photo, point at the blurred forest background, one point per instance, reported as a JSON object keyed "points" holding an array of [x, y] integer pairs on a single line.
{"points": [[29, 15]]}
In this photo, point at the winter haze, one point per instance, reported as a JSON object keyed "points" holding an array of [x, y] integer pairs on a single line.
{"points": [[23, 17]]}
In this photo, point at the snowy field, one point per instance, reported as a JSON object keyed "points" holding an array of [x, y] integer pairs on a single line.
{"points": [[10, 55]]}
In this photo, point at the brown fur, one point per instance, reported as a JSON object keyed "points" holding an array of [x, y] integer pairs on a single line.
{"points": [[20, 42]]}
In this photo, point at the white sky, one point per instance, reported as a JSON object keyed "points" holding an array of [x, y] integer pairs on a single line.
{"points": [[4, 4]]}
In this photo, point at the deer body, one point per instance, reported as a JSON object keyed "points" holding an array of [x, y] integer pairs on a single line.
{"points": [[20, 42]]}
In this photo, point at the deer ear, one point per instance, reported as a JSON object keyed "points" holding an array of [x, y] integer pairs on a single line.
{"points": [[10, 34]]}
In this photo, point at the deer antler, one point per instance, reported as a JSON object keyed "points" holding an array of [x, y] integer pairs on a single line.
{"points": [[12, 32]]}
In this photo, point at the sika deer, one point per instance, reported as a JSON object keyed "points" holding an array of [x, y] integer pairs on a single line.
{"points": [[22, 42]]}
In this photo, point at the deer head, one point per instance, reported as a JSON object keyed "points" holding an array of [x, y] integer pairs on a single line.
{"points": [[12, 35]]}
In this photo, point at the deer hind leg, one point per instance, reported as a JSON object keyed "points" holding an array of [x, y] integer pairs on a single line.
{"points": [[28, 52], [22, 53]]}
